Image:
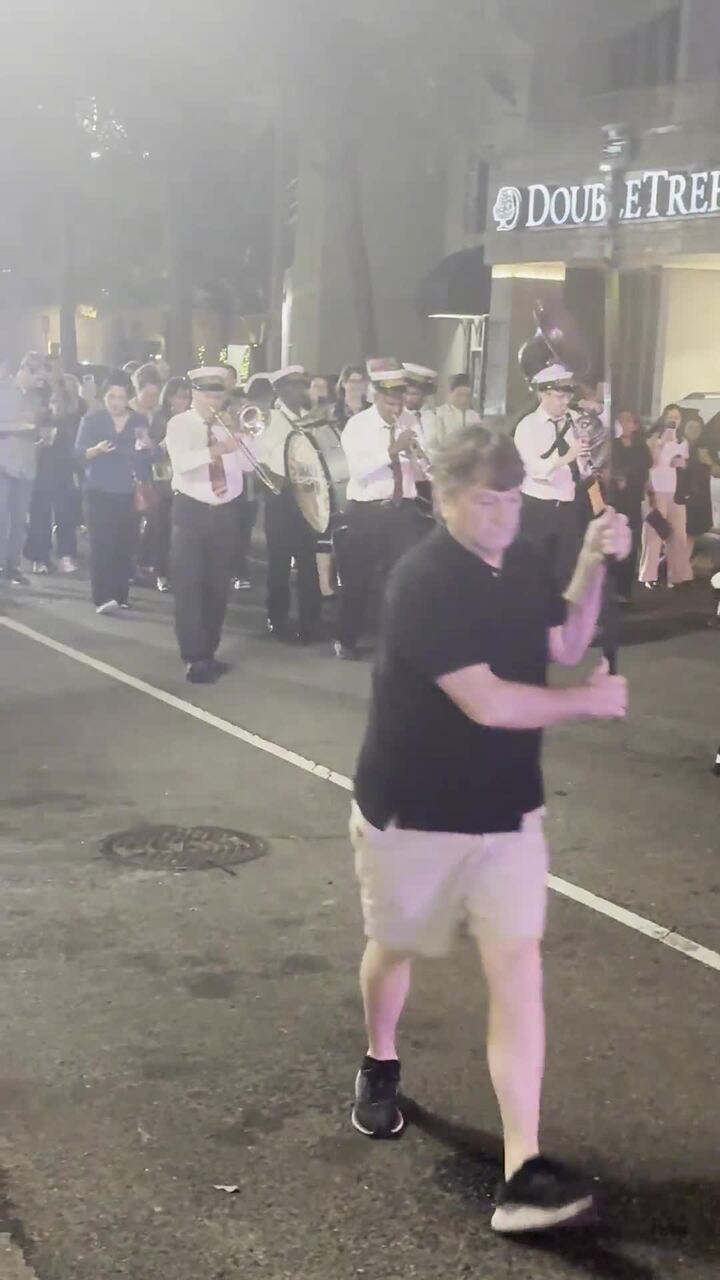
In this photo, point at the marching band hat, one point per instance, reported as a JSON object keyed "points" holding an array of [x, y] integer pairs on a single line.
{"points": [[552, 376], [296, 371], [207, 379], [389, 379], [420, 376]]}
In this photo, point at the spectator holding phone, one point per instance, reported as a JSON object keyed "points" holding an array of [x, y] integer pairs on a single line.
{"points": [[106, 447], [670, 454]]}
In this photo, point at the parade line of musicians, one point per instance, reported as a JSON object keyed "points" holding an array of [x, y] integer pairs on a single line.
{"points": [[172, 479]]}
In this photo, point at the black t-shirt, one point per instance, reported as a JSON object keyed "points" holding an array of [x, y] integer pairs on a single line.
{"points": [[424, 765]]}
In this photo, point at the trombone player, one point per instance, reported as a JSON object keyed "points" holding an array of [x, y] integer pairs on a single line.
{"points": [[386, 461], [208, 475]]}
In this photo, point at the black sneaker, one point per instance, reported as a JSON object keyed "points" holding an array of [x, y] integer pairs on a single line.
{"points": [[376, 1113], [540, 1196], [16, 577], [200, 673]]}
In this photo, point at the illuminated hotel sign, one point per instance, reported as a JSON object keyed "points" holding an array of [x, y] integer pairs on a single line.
{"points": [[656, 195]]}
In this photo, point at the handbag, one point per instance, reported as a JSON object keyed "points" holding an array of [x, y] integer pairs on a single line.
{"points": [[146, 497], [662, 527]]}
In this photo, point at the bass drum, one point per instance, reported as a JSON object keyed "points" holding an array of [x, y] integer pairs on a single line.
{"points": [[317, 470]]}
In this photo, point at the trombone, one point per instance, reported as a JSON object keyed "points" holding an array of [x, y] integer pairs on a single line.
{"points": [[262, 472]]}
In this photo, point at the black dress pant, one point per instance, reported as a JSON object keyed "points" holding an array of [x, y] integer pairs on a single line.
{"points": [[59, 506], [112, 525], [376, 536], [289, 537], [201, 549], [552, 527]]}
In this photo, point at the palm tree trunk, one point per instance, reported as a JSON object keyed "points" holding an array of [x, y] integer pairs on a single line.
{"points": [[68, 288], [273, 339], [353, 231], [180, 352]]}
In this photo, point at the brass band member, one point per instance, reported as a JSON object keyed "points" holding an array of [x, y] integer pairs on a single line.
{"points": [[208, 476], [421, 386], [454, 415], [548, 445], [288, 535], [383, 520]]}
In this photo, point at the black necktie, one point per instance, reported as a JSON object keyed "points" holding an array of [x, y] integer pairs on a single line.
{"points": [[560, 445]]}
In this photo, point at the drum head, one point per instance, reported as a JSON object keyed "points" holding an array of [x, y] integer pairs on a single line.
{"points": [[310, 482]]}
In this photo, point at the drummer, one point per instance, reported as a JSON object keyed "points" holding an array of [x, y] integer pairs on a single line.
{"points": [[382, 517], [289, 538]]}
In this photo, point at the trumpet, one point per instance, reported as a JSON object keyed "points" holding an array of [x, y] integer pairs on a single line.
{"points": [[261, 471], [418, 455], [254, 420], [415, 451]]}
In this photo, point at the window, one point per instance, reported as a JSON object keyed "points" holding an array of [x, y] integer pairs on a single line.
{"points": [[642, 58]]}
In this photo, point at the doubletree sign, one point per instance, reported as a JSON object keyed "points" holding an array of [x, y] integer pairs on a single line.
{"points": [[654, 195]]}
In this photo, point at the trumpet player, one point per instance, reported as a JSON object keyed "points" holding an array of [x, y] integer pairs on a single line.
{"points": [[208, 476], [385, 462]]}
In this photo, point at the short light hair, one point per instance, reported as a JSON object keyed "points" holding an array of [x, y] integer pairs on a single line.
{"points": [[475, 455], [147, 375]]}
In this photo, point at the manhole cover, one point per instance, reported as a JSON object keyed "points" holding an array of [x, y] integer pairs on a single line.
{"points": [[183, 848]]}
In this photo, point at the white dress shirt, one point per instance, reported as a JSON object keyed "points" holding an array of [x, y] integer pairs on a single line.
{"points": [[270, 446], [187, 446], [365, 441], [445, 421], [544, 478]]}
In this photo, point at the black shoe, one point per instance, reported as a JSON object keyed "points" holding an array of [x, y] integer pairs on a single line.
{"points": [[540, 1196], [16, 577], [376, 1113], [282, 631], [345, 653], [220, 668], [201, 673]]}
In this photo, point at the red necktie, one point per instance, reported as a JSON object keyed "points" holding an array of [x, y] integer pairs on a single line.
{"points": [[397, 473], [218, 479]]}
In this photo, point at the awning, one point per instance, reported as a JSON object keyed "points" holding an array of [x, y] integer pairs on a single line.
{"points": [[460, 285]]}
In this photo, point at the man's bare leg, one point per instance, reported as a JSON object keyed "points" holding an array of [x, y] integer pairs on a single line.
{"points": [[385, 982], [516, 1042]]}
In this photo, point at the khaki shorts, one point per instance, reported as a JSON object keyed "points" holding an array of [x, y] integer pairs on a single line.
{"points": [[417, 887]]}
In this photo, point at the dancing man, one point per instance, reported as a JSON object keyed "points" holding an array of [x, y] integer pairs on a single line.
{"points": [[447, 818]]}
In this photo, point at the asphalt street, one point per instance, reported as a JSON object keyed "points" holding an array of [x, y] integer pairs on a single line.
{"points": [[168, 1034]]}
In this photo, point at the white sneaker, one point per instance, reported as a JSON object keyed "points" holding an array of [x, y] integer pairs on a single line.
{"points": [[66, 564], [163, 584], [39, 567], [241, 584], [108, 607]]}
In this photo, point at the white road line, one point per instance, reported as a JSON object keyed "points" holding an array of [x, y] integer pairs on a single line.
{"points": [[657, 932]]}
